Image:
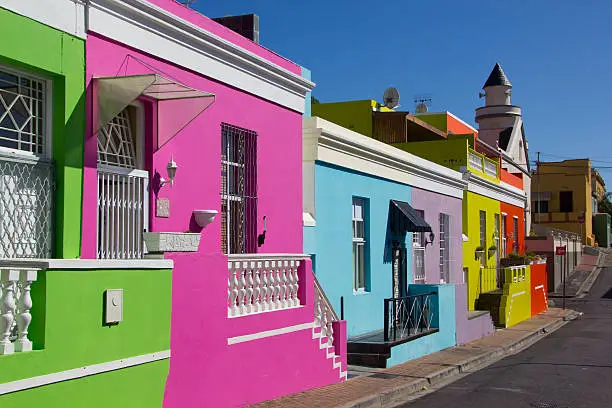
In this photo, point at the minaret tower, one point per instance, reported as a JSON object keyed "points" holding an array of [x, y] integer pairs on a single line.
{"points": [[498, 113]]}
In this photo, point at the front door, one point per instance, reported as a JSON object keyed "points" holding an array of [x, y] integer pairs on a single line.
{"points": [[400, 271]]}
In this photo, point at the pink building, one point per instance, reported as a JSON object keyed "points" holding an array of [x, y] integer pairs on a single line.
{"points": [[172, 93]]}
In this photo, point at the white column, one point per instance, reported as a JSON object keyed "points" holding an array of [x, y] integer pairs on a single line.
{"points": [[8, 280], [257, 290], [265, 286], [23, 311]]}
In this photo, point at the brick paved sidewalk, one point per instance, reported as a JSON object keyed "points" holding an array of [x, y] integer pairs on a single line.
{"points": [[387, 387]]}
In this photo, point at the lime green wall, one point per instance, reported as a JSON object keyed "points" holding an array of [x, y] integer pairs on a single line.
{"points": [[515, 304], [353, 115], [478, 279], [450, 153], [134, 387], [68, 332], [60, 57], [437, 120]]}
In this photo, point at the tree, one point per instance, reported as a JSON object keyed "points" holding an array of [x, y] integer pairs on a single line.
{"points": [[604, 205], [314, 100]]}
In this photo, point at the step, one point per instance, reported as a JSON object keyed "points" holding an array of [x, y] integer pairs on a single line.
{"points": [[376, 360]]}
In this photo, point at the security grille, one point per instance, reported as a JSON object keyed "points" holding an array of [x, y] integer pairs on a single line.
{"points": [[22, 113], [515, 243], [122, 191], [238, 190], [26, 208], [444, 248]]}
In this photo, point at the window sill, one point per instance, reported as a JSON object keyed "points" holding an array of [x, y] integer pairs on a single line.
{"points": [[361, 292]]}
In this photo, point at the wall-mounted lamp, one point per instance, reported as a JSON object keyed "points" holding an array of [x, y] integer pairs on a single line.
{"points": [[432, 236], [261, 238], [171, 170]]}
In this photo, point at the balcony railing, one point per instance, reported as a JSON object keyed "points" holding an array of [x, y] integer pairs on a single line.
{"points": [[482, 164], [490, 168], [325, 314], [263, 282], [408, 316], [26, 207], [15, 306], [475, 161]]}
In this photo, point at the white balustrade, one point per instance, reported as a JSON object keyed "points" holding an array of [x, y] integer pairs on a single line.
{"points": [[15, 306], [490, 168], [262, 282], [475, 161], [324, 314]]}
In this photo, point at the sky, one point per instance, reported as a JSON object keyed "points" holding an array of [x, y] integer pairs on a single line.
{"points": [[557, 54]]}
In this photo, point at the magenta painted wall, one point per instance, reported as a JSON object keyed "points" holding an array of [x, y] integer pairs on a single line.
{"points": [[207, 372], [433, 204], [196, 149]]}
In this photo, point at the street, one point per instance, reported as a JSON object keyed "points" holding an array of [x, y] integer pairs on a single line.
{"points": [[570, 368]]}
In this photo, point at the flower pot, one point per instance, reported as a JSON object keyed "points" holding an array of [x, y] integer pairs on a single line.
{"points": [[204, 217], [479, 254], [157, 242]]}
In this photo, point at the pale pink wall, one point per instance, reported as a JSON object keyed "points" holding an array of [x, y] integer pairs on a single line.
{"points": [[196, 149], [209, 25], [207, 372]]}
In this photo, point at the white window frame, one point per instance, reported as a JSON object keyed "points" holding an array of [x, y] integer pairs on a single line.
{"points": [[483, 234], [504, 239], [48, 120], [359, 242], [418, 252]]}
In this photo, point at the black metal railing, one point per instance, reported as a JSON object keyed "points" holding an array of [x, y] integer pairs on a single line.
{"points": [[408, 316]]}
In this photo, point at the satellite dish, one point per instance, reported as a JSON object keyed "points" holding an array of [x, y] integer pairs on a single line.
{"points": [[391, 98], [421, 108]]}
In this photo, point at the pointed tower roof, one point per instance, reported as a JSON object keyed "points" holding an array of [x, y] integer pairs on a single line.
{"points": [[497, 77]]}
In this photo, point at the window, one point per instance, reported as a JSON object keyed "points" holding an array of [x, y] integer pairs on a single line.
{"points": [[359, 244], [123, 187], [483, 234], [22, 113], [238, 190], [444, 248], [497, 225], [515, 241], [540, 206], [418, 252], [504, 240], [566, 201], [26, 187]]}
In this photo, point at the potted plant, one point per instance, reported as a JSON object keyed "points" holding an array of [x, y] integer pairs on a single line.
{"points": [[491, 250], [479, 252]]}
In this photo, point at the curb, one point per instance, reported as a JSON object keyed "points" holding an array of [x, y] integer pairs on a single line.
{"points": [[404, 393]]}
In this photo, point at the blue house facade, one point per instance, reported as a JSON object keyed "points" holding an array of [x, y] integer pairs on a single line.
{"points": [[361, 232]]}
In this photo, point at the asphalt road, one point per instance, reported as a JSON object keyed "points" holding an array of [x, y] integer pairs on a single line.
{"points": [[570, 368]]}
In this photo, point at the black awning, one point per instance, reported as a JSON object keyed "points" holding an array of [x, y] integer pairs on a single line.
{"points": [[412, 220]]}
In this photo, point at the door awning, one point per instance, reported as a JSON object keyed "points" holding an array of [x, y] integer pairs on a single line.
{"points": [[413, 221], [117, 93]]}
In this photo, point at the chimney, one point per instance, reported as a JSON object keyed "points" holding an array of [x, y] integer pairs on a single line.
{"points": [[246, 25]]}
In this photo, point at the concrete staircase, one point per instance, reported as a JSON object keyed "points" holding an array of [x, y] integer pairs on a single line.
{"points": [[330, 351], [491, 302]]}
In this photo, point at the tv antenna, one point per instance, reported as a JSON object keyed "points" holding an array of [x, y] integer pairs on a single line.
{"points": [[422, 104], [187, 3], [391, 98]]}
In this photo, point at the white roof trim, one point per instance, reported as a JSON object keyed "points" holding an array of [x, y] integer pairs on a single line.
{"points": [[87, 263], [503, 192], [64, 15], [149, 28], [330, 143]]}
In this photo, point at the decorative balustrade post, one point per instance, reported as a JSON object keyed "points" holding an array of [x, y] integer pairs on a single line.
{"points": [[242, 287], [24, 318], [317, 305], [265, 286], [330, 329], [275, 285], [283, 285], [249, 303], [296, 284], [8, 279], [257, 299], [233, 281]]}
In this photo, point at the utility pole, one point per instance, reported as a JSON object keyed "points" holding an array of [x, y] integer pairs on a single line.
{"points": [[538, 185]]}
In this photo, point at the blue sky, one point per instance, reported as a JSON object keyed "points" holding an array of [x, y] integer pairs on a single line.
{"points": [[557, 54]]}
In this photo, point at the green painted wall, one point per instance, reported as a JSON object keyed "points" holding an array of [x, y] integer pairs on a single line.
{"points": [[450, 153], [60, 57], [478, 279], [515, 303], [139, 386], [353, 115], [68, 331], [437, 120]]}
